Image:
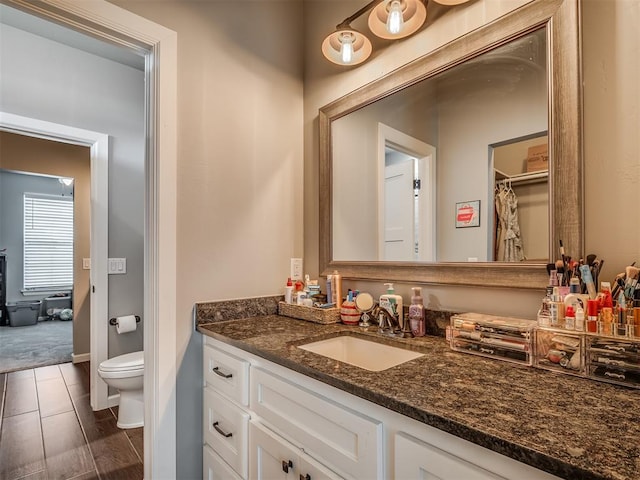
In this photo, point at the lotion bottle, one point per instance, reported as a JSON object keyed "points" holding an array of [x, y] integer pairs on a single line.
{"points": [[288, 291], [392, 303], [416, 313]]}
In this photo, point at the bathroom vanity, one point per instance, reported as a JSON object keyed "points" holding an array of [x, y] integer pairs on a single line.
{"points": [[272, 409]]}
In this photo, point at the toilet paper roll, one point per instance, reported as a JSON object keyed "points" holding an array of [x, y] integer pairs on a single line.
{"points": [[126, 323]]}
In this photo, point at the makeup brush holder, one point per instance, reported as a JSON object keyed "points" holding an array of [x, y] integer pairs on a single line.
{"points": [[502, 338]]}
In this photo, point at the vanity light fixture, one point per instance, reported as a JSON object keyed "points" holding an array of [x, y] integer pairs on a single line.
{"points": [[388, 19], [392, 19]]}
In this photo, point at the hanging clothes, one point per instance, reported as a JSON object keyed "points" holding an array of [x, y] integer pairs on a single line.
{"points": [[508, 240]]}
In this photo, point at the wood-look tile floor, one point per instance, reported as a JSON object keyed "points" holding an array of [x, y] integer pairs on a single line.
{"points": [[48, 430]]}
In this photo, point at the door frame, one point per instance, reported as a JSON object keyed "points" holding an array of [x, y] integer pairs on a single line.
{"points": [[99, 231], [158, 44]]}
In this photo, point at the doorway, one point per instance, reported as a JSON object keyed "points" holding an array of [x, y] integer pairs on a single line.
{"points": [[44, 223], [115, 25], [406, 199]]}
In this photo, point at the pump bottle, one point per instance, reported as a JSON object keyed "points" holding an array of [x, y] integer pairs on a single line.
{"points": [[416, 313], [392, 303]]}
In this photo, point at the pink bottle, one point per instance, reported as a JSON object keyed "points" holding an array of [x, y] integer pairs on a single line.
{"points": [[416, 313]]}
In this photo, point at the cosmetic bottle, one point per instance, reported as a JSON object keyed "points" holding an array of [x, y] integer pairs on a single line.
{"points": [[570, 319], [574, 285], [579, 319], [392, 303], [544, 314], [416, 313], [592, 316], [288, 291], [329, 292], [606, 312], [336, 288]]}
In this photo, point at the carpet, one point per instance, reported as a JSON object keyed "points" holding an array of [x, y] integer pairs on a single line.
{"points": [[46, 343]]}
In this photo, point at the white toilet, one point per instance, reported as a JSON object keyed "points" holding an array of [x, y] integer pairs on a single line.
{"points": [[126, 373]]}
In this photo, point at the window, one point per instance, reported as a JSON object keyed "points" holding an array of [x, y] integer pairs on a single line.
{"points": [[48, 242]]}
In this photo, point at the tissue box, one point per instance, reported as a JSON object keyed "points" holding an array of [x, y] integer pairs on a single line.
{"points": [[503, 338], [311, 314]]}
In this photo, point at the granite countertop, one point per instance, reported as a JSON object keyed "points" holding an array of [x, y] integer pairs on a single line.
{"points": [[568, 426]]}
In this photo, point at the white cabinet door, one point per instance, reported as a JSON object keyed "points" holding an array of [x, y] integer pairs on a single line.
{"points": [[270, 458], [415, 459], [309, 469], [214, 468]]}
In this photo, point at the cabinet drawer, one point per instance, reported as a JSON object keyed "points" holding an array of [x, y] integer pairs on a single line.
{"points": [[226, 430], [227, 374], [214, 468], [342, 439]]}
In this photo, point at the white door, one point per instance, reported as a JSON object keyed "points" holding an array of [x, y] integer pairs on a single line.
{"points": [[399, 212]]}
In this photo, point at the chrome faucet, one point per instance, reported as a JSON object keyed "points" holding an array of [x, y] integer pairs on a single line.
{"points": [[387, 322]]}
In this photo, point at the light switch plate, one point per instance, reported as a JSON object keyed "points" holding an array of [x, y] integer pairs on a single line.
{"points": [[117, 266], [296, 269], [86, 264]]}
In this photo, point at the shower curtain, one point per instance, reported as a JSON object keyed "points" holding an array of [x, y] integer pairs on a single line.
{"points": [[509, 242]]}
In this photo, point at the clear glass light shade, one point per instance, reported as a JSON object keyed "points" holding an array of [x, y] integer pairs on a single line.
{"points": [[383, 19], [395, 22], [346, 46]]}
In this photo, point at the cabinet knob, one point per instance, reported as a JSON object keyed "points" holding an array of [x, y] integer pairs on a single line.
{"points": [[286, 465], [305, 477], [220, 431], [217, 371]]}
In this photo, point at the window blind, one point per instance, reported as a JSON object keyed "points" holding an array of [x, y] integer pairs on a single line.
{"points": [[48, 242]]}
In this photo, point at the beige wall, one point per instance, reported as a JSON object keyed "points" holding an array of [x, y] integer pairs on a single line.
{"points": [[611, 96], [240, 167], [36, 155]]}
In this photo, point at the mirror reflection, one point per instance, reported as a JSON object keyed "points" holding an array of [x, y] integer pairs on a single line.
{"points": [[416, 175]]}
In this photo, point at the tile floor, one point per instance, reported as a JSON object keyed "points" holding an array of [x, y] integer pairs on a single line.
{"points": [[48, 430]]}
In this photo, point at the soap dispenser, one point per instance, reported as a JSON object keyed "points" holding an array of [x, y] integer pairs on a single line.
{"points": [[416, 313], [392, 303]]}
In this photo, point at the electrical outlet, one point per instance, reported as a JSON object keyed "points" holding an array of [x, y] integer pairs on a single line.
{"points": [[86, 264], [296, 269], [117, 266]]}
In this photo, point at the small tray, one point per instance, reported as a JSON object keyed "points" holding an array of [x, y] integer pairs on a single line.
{"points": [[311, 314]]}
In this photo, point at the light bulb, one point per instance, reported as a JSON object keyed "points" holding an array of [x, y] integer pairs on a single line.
{"points": [[346, 47], [395, 20]]}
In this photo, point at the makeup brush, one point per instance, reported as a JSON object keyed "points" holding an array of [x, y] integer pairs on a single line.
{"points": [[632, 274], [591, 258]]}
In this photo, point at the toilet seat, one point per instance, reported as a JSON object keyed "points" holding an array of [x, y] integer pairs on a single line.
{"points": [[127, 362], [123, 366]]}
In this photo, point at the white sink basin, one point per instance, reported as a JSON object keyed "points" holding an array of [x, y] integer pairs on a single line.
{"points": [[360, 352]]}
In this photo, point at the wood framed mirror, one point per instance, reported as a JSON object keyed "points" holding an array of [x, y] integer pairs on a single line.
{"points": [[556, 22]]}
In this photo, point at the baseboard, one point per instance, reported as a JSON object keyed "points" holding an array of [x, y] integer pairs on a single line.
{"points": [[81, 357], [113, 400]]}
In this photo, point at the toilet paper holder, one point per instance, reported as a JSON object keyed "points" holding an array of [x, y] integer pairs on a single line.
{"points": [[114, 321]]}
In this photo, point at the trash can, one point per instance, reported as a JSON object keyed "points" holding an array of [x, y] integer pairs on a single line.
{"points": [[23, 313]]}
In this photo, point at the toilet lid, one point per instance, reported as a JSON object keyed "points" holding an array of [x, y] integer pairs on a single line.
{"points": [[128, 361]]}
